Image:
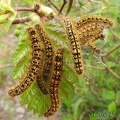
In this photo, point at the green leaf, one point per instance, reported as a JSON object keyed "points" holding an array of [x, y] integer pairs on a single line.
{"points": [[19, 68], [30, 1], [66, 89], [21, 56], [92, 118], [7, 16], [22, 49], [67, 117], [35, 100], [75, 106], [108, 95], [112, 107], [118, 19]]}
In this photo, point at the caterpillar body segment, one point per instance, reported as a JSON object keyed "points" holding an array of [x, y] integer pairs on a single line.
{"points": [[91, 26], [92, 45], [34, 67], [55, 82], [48, 51], [86, 39], [75, 46], [39, 78], [94, 19]]}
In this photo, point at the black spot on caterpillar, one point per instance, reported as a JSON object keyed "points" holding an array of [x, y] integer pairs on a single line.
{"points": [[48, 51], [91, 26], [40, 80], [55, 82], [91, 44], [75, 46], [93, 19], [34, 67]]}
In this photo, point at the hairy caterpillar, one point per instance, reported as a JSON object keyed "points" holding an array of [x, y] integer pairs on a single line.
{"points": [[37, 54], [93, 19], [48, 50], [55, 82], [75, 46], [91, 44], [91, 26]]}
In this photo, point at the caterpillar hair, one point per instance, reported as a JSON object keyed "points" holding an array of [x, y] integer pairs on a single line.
{"points": [[75, 46], [34, 67], [48, 51], [55, 82]]}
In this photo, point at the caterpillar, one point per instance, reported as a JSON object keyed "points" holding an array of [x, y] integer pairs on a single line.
{"points": [[91, 26], [48, 49], [75, 46], [94, 19], [91, 44], [55, 82], [37, 54]]}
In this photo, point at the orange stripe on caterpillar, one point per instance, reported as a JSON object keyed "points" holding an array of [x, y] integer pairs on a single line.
{"points": [[34, 67], [55, 82], [48, 50], [75, 46]]}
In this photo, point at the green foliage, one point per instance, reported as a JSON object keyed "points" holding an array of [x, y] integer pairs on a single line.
{"points": [[33, 97], [7, 15], [21, 56], [99, 93]]}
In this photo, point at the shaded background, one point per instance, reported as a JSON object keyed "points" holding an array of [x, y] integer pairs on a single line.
{"points": [[97, 95]]}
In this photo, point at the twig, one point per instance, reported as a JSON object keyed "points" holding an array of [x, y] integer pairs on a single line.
{"points": [[21, 20], [28, 9], [110, 70], [69, 7], [54, 5], [64, 2], [111, 51], [94, 67], [107, 68], [7, 65]]}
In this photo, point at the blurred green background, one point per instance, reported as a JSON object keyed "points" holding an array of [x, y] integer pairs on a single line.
{"points": [[97, 95]]}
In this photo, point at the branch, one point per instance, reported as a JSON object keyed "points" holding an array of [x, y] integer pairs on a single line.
{"points": [[94, 67], [54, 5], [69, 7], [110, 70], [111, 51], [64, 2], [21, 20], [106, 66], [28, 9]]}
